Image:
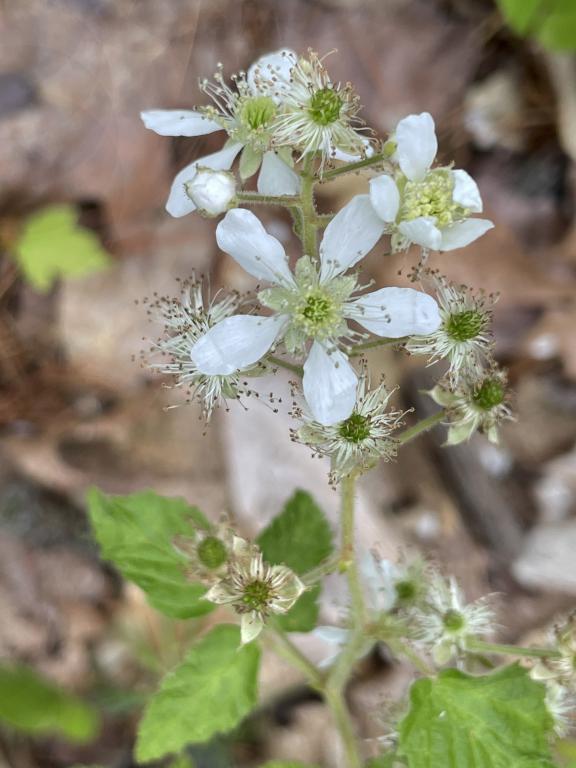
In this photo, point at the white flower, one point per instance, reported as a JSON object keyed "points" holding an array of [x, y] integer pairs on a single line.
{"points": [[359, 441], [319, 115], [187, 319], [445, 621], [479, 402], [245, 112], [255, 589], [212, 192], [311, 306], [420, 204], [561, 665], [463, 338]]}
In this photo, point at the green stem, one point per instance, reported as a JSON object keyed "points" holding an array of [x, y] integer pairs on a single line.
{"points": [[422, 426], [296, 657], [351, 167], [328, 566], [254, 198], [359, 348], [473, 644], [297, 369], [337, 704], [308, 209]]}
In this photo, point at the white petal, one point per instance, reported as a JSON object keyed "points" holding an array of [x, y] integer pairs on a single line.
{"points": [[242, 236], [332, 635], [178, 122], [270, 75], [179, 204], [250, 627], [235, 343], [276, 178], [329, 385], [346, 157], [422, 231], [416, 145], [396, 312], [353, 232], [464, 233], [385, 197], [466, 191]]}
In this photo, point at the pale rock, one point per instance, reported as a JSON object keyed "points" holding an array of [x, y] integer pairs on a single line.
{"points": [[547, 562]]}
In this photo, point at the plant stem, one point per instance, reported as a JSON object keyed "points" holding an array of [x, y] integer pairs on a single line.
{"points": [[254, 198], [308, 209], [351, 167], [337, 704], [297, 369], [473, 644], [297, 658], [421, 426], [359, 348]]}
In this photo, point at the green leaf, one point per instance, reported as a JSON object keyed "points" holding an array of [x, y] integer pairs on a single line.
{"points": [[35, 706], [52, 245], [460, 721], [558, 31], [287, 764], [250, 161], [551, 22], [209, 693], [520, 14], [136, 533], [299, 537]]}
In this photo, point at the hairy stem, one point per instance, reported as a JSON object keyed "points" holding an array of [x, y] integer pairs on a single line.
{"points": [[357, 166], [308, 208], [337, 704], [293, 654], [359, 348], [255, 198], [297, 369], [422, 426], [473, 644]]}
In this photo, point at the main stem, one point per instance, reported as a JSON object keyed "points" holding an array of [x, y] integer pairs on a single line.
{"points": [[308, 208]]}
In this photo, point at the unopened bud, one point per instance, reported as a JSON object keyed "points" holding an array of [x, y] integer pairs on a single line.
{"points": [[212, 191]]}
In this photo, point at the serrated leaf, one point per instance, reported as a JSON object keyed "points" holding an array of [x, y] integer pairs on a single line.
{"points": [[299, 537], [35, 706], [52, 245], [209, 693], [460, 721], [250, 161], [136, 533]]}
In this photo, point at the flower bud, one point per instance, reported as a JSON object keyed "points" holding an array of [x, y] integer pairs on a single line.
{"points": [[212, 191]]}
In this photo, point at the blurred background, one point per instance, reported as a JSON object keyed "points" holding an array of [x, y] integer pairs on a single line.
{"points": [[84, 239]]}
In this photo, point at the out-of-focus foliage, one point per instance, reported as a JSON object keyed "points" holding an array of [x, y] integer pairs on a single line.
{"points": [[498, 720], [551, 22], [33, 705], [52, 245]]}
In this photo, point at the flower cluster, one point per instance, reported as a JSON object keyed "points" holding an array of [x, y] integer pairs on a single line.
{"points": [[287, 120]]}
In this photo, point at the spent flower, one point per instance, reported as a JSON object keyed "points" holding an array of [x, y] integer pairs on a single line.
{"points": [[255, 589], [463, 338], [561, 664], [419, 204], [444, 622], [479, 402], [360, 440], [318, 115], [207, 553], [186, 319]]}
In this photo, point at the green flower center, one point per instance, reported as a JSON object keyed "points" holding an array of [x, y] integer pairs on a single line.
{"points": [[325, 106], [453, 621], [316, 314], [489, 394], [257, 113], [355, 429], [432, 197], [212, 553], [256, 595], [464, 326], [405, 591]]}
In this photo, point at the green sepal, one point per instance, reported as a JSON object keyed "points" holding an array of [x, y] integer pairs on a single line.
{"points": [[250, 161]]}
